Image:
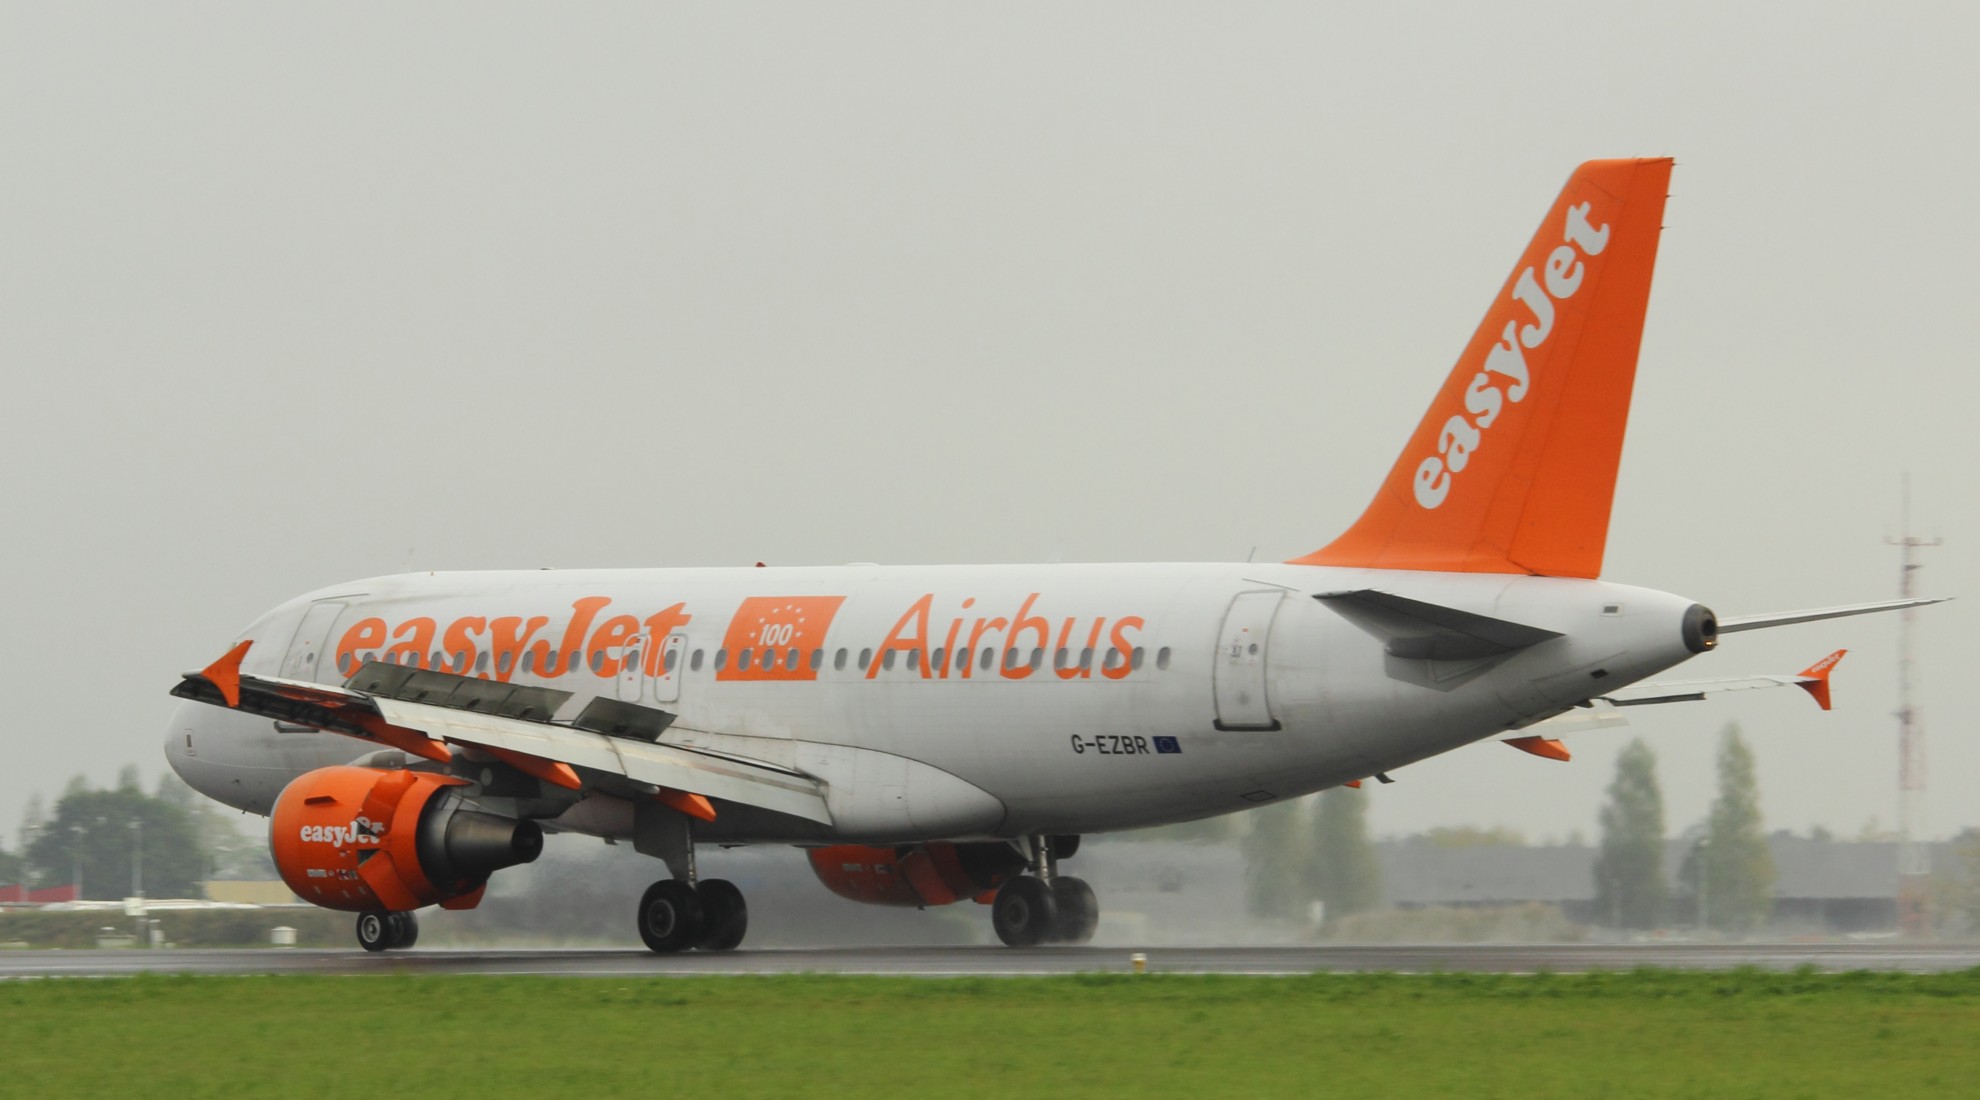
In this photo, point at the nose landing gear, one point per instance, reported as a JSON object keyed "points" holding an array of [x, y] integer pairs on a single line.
{"points": [[387, 931]]}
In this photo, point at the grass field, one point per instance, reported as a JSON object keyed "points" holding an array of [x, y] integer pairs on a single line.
{"points": [[1641, 1034]]}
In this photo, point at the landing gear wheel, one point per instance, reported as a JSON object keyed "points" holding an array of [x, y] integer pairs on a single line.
{"points": [[404, 930], [1024, 913], [669, 917], [374, 931], [1079, 910], [724, 914]]}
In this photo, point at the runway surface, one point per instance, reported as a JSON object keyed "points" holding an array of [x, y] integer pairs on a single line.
{"points": [[999, 962]]}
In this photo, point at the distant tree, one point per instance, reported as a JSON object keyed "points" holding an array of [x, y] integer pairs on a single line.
{"points": [[91, 831], [1629, 872], [1732, 869], [1959, 885], [31, 820], [1277, 880], [1346, 875], [13, 868], [228, 852]]}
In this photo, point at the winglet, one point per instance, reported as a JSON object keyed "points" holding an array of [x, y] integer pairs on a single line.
{"points": [[1815, 678], [225, 673]]}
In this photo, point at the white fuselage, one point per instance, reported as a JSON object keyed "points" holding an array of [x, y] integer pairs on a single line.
{"points": [[962, 701]]}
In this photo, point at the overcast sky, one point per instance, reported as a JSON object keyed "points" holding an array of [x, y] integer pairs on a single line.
{"points": [[296, 294]]}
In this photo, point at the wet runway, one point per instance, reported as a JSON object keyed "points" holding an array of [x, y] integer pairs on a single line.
{"points": [[1000, 962]]}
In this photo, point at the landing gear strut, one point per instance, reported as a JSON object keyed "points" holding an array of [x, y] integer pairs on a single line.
{"points": [[1044, 906], [686, 911], [387, 931]]}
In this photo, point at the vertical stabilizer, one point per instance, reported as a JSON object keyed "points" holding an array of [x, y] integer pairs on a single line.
{"points": [[1514, 467]]}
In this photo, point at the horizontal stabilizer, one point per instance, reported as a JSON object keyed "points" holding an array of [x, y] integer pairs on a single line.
{"points": [[1814, 680], [1813, 614], [1432, 632]]}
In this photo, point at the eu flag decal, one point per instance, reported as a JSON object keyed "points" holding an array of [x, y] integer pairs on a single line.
{"points": [[1167, 744]]}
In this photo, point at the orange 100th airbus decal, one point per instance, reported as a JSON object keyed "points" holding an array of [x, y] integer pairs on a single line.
{"points": [[778, 637]]}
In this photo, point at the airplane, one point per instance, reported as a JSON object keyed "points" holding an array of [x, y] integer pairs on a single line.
{"points": [[931, 734]]}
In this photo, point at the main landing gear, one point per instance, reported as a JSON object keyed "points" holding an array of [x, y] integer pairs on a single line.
{"points": [[387, 931], [1045, 906], [675, 915]]}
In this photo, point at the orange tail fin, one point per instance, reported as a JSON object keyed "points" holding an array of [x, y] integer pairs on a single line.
{"points": [[1514, 467]]}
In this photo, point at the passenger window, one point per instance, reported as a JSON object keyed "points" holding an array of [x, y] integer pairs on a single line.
{"points": [[839, 661], [598, 660], [791, 660], [504, 663], [817, 659], [865, 659], [1134, 659], [1086, 658], [694, 661], [887, 661], [481, 662], [672, 658], [344, 663], [1010, 658], [721, 659], [769, 660], [1058, 658], [1162, 657], [1112, 660], [962, 660], [989, 655], [1037, 659]]}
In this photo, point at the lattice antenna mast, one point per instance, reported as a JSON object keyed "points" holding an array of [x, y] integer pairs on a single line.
{"points": [[1914, 857]]}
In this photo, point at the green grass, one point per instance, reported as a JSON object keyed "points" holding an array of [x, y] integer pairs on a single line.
{"points": [[1642, 1034]]}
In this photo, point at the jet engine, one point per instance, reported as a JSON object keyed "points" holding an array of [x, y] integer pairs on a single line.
{"points": [[370, 839], [923, 875]]}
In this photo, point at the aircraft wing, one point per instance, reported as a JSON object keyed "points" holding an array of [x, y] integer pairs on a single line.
{"points": [[420, 712]]}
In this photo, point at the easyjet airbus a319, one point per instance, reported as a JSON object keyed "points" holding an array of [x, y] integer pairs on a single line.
{"points": [[932, 734]]}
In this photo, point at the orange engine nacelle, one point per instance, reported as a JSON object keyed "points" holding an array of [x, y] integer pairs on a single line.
{"points": [[368, 839], [930, 874]]}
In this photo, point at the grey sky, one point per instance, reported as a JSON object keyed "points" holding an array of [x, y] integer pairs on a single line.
{"points": [[296, 294]]}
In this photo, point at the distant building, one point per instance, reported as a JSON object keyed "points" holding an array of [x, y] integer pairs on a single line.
{"points": [[1825, 886]]}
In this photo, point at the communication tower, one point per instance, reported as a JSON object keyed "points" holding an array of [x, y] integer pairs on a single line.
{"points": [[1914, 857]]}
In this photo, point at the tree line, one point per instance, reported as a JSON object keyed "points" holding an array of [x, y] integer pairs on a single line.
{"points": [[117, 841]]}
